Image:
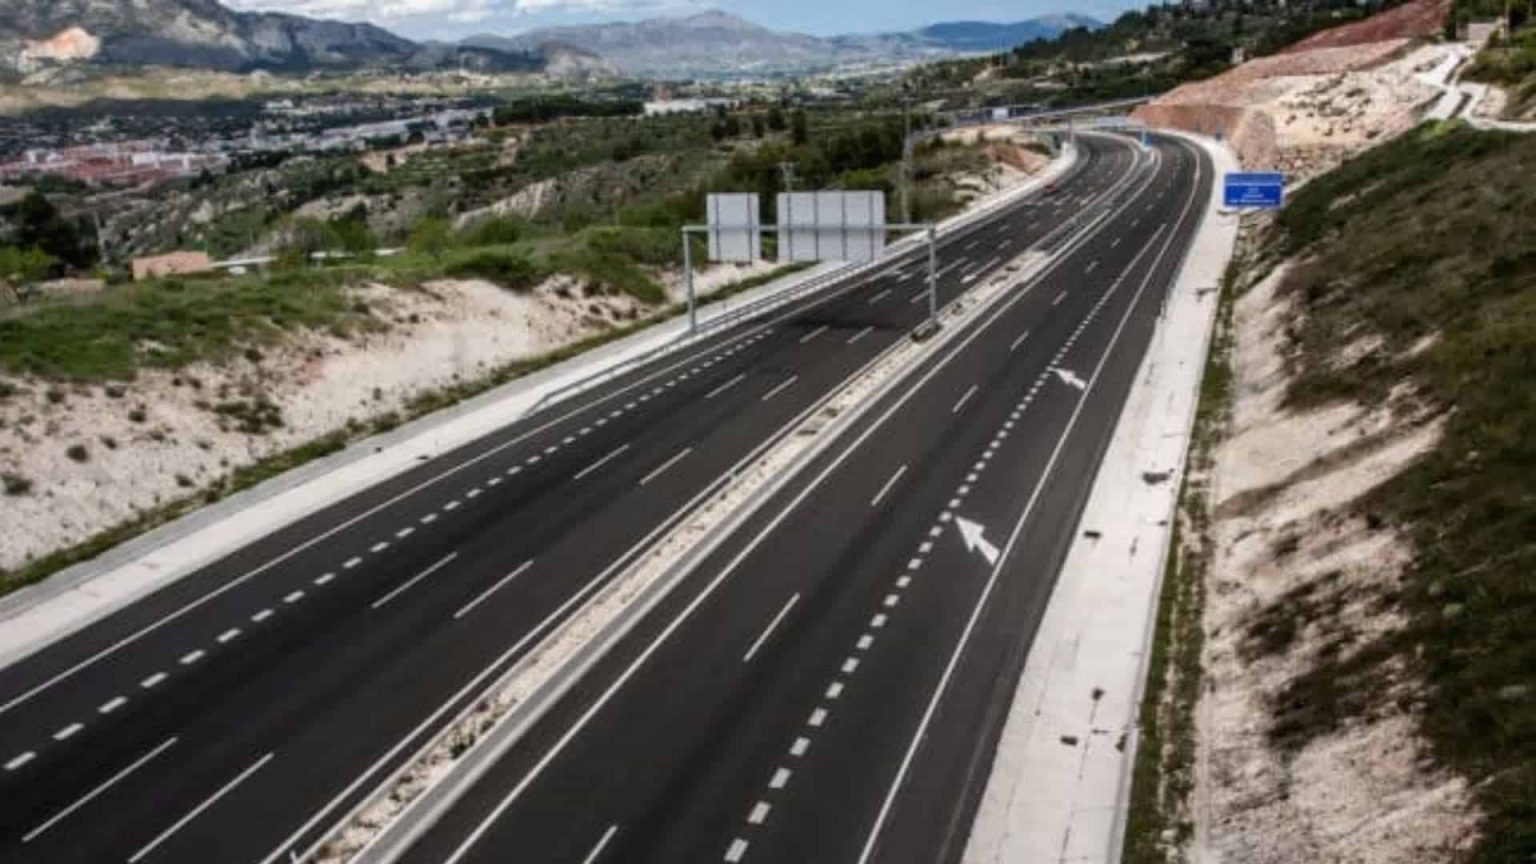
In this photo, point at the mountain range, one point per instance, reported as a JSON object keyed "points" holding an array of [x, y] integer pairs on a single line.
{"points": [[206, 34], [717, 43]]}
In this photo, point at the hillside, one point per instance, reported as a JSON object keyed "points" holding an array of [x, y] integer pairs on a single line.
{"points": [[1350, 605], [204, 34]]}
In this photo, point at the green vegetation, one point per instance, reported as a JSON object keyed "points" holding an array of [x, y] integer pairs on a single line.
{"points": [[1428, 244], [542, 109], [1511, 64], [1141, 52], [1159, 821], [169, 324]]}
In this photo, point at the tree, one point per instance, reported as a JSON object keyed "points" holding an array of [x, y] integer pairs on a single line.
{"points": [[776, 119], [800, 129], [431, 235], [39, 224]]}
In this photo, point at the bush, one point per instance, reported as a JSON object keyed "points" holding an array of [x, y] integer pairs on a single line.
{"points": [[78, 453], [497, 231], [15, 484], [511, 271], [654, 247]]}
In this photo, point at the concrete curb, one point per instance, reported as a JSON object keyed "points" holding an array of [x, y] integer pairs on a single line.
{"points": [[38, 615]]}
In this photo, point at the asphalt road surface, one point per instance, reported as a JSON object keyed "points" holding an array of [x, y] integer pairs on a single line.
{"points": [[830, 685], [237, 714]]}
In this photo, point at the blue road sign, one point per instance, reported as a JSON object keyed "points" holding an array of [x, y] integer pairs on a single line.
{"points": [[1256, 190]]}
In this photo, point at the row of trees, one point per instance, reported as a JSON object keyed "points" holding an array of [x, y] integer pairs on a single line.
{"points": [[42, 243]]}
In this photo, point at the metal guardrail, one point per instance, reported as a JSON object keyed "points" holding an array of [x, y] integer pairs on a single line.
{"points": [[707, 329]]}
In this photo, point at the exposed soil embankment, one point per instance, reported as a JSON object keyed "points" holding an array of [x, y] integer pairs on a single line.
{"points": [[1357, 530], [1308, 108]]}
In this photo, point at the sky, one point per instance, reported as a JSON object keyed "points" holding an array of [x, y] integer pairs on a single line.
{"points": [[447, 19]]}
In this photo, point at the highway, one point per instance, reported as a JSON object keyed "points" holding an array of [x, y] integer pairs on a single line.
{"points": [[240, 712], [830, 684]]}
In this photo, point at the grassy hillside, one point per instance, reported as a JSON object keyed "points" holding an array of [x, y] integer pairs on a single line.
{"points": [[1429, 244]]}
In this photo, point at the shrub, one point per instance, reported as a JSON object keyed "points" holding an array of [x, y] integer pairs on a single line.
{"points": [[511, 271], [497, 231], [15, 484], [78, 453]]}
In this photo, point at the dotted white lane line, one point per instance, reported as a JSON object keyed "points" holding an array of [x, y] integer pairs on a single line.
{"points": [[801, 745], [294, 597], [818, 717], [834, 690], [68, 732], [780, 778], [191, 657], [262, 616], [429, 519], [452, 505], [351, 563], [759, 813], [112, 704], [737, 849], [378, 547], [323, 578], [473, 493], [20, 760], [152, 680], [227, 635]]}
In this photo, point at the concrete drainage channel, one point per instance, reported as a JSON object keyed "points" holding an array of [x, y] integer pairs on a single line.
{"points": [[383, 826]]}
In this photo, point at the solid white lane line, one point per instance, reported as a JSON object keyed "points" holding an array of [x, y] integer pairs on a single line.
{"points": [[196, 811], [727, 385], [668, 464], [601, 462], [411, 583], [772, 625], [861, 334], [775, 391], [601, 844], [881, 296], [68, 732], [888, 484], [964, 399], [89, 796], [1017, 342], [112, 704], [813, 334], [493, 589]]}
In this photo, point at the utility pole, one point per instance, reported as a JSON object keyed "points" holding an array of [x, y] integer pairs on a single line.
{"points": [[906, 152]]}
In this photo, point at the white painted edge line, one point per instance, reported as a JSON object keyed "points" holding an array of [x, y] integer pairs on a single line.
{"points": [[196, 811], [602, 844], [772, 626], [664, 466], [601, 462], [94, 793], [500, 583], [411, 582], [875, 501]]}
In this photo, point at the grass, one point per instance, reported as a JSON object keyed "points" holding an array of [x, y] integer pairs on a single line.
{"points": [[1159, 821], [261, 412], [167, 324], [1428, 244]]}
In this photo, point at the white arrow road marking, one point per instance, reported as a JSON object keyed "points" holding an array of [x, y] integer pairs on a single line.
{"points": [[1069, 378], [971, 532]]}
